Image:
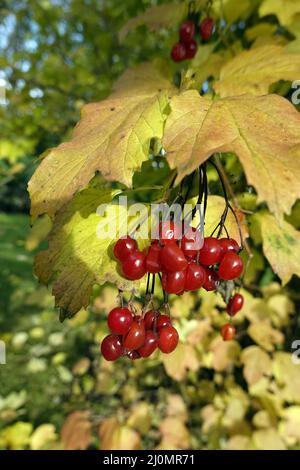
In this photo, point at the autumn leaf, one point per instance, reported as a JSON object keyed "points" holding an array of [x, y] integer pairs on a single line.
{"points": [[255, 70], [264, 132], [182, 360], [233, 10], [76, 431], [77, 257], [114, 436], [281, 246], [112, 137], [224, 354], [287, 376], [285, 11], [156, 17], [257, 364], [264, 335]]}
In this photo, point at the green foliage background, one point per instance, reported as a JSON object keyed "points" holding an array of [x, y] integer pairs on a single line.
{"points": [[55, 391]]}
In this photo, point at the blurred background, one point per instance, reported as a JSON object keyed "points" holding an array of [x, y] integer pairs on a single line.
{"points": [[55, 391]]}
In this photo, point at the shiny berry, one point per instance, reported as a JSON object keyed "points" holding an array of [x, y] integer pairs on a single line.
{"points": [[133, 267], [231, 266], [124, 247], [228, 332], [168, 339], [212, 280], [133, 355], [210, 253], [172, 258], [135, 337], [191, 242], [168, 231], [187, 31], [150, 318], [152, 263], [178, 52], [235, 304], [174, 282], [228, 244], [119, 320], [111, 348], [195, 277], [162, 321], [206, 28], [149, 345], [191, 49]]}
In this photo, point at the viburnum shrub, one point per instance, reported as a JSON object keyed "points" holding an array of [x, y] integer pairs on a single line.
{"points": [[219, 134]]}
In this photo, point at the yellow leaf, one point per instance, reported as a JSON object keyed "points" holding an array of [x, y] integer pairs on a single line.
{"points": [[289, 428], [263, 131], [225, 353], [17, 436], [257, 364], [268, 439], [114, 436], [140, 418], [234, 10], [264, 335], [281, 246], [43, 436], [178, 363], [287, 376], [284, 10], [255, 70], [175, 434], [113, 137]]}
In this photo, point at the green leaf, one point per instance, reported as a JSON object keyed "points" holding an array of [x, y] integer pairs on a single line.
{"points": [[77, 258], [264, 132], [113, 137], [285, 11]]}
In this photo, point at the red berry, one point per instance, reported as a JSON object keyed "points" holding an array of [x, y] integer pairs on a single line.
{"points": [[172, 258], [162, 321], [111, 348], [210, 253], [133, 267], [168, 339], [187, 31], [195, 277], [228, 332], [168, 232], [119, 320], [174, 282], [191, 49], [152, 262], [211, 280], [149, 345], [228, 244], [150, 318], [133, 355], [235, 304], [191, 242], [136, 335], [206, 28], [178, 52], [231, 266], [124, 247]]}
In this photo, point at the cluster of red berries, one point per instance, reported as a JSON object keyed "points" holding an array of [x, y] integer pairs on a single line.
{"points": [[234, 305], [137, 336], [187, 47], [185, 264]]}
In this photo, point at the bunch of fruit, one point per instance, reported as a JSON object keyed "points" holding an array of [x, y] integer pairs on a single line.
{"points": [[187, 46], [137, 336], [185, 263]]}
